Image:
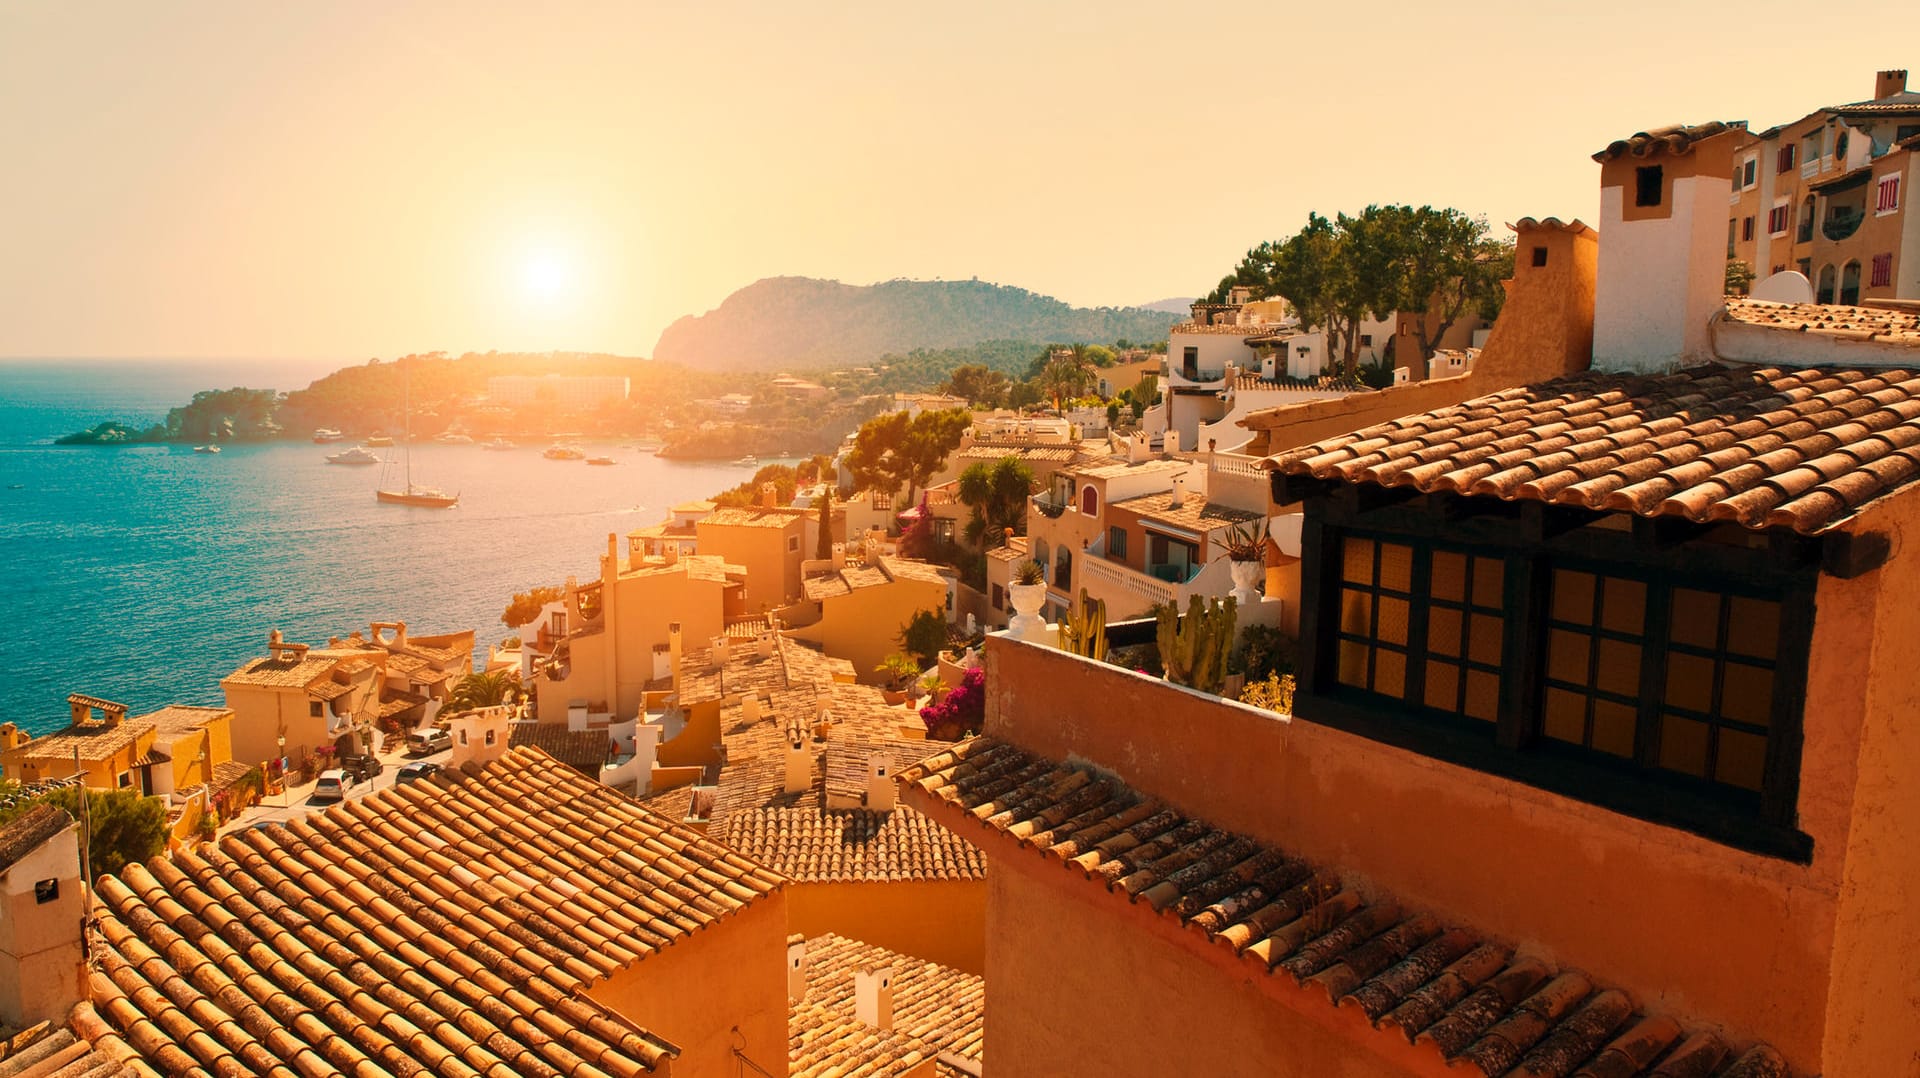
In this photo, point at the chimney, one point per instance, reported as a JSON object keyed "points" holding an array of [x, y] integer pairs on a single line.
{"points": [[610, 565], [763, 644], [873, 996], [1663, 249], [880, 782], [769, 495], [1178, 497], [11, 737], [1888, 83], [839, 554], [671, 551], [1170, 442], [115, 714], [673, 653], [796, 967], [78, 709], [717, 650], [274, 638], [636, 552], [799, 762], [43, 964]]}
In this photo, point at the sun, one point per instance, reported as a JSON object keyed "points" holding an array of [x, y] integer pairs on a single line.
{"points": [[545, 277]]}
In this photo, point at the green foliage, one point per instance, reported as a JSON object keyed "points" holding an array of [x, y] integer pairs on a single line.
{"points": [[979, 384], [487, 688], [1262, 650], [824, 549], [1194, 648], [924, 635], [1243, 541], [1029, 572], [1436, 263], [1274, 692], [1740, 277], [1084, 632], [900, 670], [525, 606], [123, 827], [782, 476], [1377, 373], [997, 493], [896, 449]]}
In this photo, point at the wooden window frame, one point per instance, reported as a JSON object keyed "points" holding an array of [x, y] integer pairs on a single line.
{"points": [[1532, 540]]}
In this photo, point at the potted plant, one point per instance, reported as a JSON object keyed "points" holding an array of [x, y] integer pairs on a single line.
{"points": [[1028, 593], [901, 671], [1245, 555]]}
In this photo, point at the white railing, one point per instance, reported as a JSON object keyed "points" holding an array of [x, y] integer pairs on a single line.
{"points": [[1102, 577]]}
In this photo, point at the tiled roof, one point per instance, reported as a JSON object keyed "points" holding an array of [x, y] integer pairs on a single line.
{"points": [[1122, 467], [1674, 139], [936, 1010], [1799, 449], [281, 673], [26, 832], [92, 740], [710, 568], [1194, 513], [182, 718], [329, 690], [753, 517], [1905, 101], [811, 844], [1473, 1001], [1054, 453], [849, 578], [790, 667], [395, 701], [1014, 550], [583, 750], [1551, 224], [1888, 325], [448, 926], [85, 1046]]}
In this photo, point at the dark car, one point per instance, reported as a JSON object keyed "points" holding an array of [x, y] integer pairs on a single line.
{"points": [[361, 768], [414, 772]]}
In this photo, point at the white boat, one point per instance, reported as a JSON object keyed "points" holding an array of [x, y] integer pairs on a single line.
{"points": [[603, 462], [206, 449], [409, 492], [498, 445], [378, 439], [359, 454], [563, 452], [748, 461], [454, 439], [327, 434]]}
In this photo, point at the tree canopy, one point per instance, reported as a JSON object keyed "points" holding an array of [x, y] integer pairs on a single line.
{"points": [[485, 688], [1436, 264], [123, 827], [525, 606], [997, 493], [979, 384], [896, 449]]}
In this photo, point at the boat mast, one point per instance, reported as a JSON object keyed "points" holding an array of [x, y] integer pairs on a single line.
{"points": [[406, 423]]}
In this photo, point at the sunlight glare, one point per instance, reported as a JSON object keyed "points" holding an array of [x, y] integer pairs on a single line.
{"points": [[544, 277]]}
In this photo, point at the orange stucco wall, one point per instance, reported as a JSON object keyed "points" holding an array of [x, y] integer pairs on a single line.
{"points": [[696, 992], [1079, 982], [942, 921], [770, 555], [1686, 925], [864, 625], [1873, 1005]]}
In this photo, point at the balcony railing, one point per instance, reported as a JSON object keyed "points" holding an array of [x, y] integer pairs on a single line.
{"points": [[1097, 573], [1842, 224]]}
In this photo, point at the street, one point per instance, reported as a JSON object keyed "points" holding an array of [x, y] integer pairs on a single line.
{"points": [[297, 801]]}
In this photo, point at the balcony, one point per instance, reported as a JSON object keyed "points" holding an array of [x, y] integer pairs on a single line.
{"points": [[1842, 222], [1051, 506], [1129, 592]]}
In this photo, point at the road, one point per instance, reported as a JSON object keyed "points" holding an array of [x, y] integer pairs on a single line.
{"points": [[298, 800]]}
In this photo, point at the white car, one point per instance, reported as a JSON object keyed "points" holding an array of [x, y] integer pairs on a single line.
{"points": [[332, 786]]}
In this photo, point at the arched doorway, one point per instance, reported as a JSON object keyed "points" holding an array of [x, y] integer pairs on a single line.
{"points": [[1823, 293], [1063, 569], [1089, 500], [1850, 283]]}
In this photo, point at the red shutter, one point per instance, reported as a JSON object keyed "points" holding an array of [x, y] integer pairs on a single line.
{"points": [[1889, 196], [1882, 271]]}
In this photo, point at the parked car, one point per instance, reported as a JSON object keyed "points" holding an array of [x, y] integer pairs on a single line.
{"points": [[332, 786], [361, 768], [425, 742], [414, 772]]}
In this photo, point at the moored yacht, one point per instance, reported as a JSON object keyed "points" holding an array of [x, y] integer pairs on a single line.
{"points": [[324, 435], [359, 454]]}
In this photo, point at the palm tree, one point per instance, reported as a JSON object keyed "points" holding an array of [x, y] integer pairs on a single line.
{"points": [[488, 688]]}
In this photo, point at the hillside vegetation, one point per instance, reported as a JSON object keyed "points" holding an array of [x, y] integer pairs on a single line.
{"points": [[786, 323]]}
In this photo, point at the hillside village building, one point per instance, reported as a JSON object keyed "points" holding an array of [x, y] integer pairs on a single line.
{"points": [[856, 608], [768, 541], [42, 903], [157, 753], [1826, 197]]}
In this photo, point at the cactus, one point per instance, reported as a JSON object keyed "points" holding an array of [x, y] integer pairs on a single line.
{"points": [[1084, 631], [1194, 649]]}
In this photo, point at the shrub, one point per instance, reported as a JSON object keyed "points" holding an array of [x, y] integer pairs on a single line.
{"points": [[961, 711], [1275, 693], [1263, 650]]}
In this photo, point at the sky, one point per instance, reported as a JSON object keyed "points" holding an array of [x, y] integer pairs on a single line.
{"points": [[356, 179]]}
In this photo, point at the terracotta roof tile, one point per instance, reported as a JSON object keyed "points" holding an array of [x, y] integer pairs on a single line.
{"points": [[448, 925], [26, 832], [583, 750], [281, 673], [1195, 512], [90, 740], [936, 1010], [1892, 325], [1764, 448], [1478, 1005], [1674, 139]]}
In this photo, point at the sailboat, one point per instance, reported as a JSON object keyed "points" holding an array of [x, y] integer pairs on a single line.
{"points": [[412, 494]]}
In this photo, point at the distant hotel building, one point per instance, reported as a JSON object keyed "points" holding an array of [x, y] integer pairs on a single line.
{"points": [[573, 391]]}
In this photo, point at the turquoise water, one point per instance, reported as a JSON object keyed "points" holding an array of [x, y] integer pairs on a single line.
{"points": [[145, 574]]}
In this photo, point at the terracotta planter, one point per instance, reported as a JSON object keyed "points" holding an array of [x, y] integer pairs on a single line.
{"points": [[893, 696]]}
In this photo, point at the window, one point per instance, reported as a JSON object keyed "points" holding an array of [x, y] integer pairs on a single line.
{"points": [[1850, 283], [1823, 292], [1805, 268], [45, 891], [1749, 169], [557, 624], [463, 736], [999, 597], [1746, 228], [1438, 646], [1190, 362], [1366, 340], [1778, 218], [1840, 147], [315, 709], [1647, 183], [1089, 500], [1664, 683], [1116, 542], [490, 738], [793, 543], [1539, 256], [1806, 221], [1887, 195], [882, 501], [1882, 274], [1783, 162]]}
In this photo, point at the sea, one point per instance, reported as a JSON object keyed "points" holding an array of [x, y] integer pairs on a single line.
{"points": [[145, 574]]}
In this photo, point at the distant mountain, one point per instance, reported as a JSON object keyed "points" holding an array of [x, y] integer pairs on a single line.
{"points": [[801, 322], [1177, 305]]}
